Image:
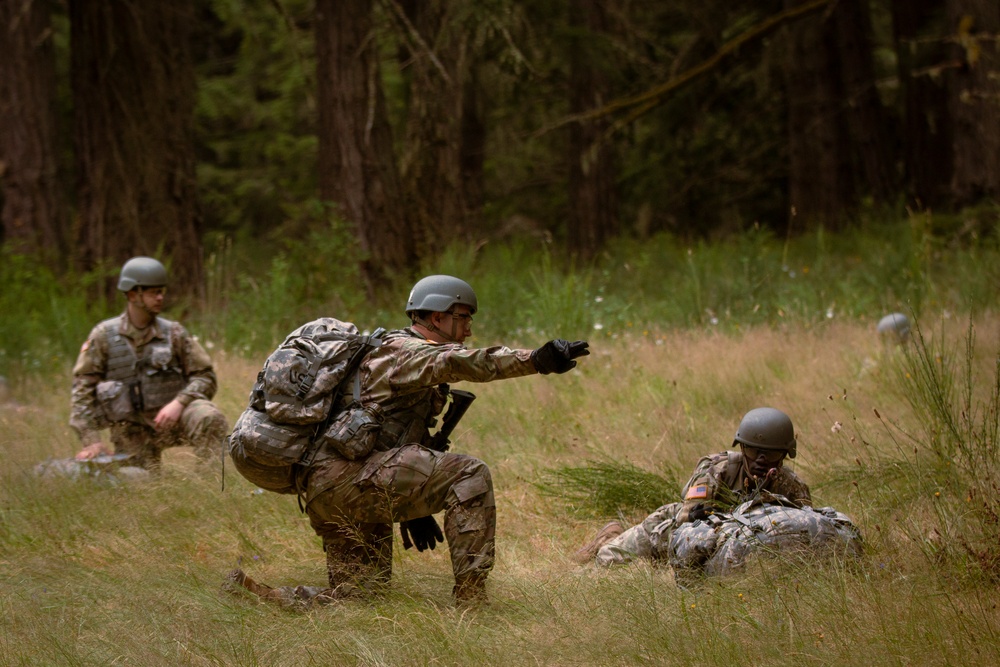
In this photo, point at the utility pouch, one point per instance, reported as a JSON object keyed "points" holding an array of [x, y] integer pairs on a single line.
{"points": [[116, 399], [354, 432]]}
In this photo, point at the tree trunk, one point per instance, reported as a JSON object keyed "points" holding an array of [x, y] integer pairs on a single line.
{"points": [[357, 168], [472, 160], [133, 95], [34, 214], [926, 138], [437, 64], [974, 99], [821, 187], [872, 139], [592, 169]]}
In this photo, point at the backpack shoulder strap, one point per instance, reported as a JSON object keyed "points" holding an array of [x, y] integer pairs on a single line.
{"points": [[368, 343], [734, 463]]}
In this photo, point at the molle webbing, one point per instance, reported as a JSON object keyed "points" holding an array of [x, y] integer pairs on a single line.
{"points": [[405, 420], [158, 386], [121, 356]]}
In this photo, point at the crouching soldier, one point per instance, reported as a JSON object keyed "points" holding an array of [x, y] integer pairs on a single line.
{"points": [[396, 472], [146, 378]]}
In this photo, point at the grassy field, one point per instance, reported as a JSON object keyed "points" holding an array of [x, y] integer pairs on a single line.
{"points": [[132, 575]]}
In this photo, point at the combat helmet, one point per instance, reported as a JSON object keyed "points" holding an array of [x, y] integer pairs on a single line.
{"points": [[767, 428], [894, 327], [439, 293], [142, 272]]}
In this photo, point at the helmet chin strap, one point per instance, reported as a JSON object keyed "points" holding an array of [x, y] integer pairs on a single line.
{"points": [[430, 326], [746, 465]]}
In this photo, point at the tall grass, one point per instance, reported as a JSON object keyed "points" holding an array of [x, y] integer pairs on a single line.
{"points": [[97, 574], [955, 388], [259, 289], [685, 339]]}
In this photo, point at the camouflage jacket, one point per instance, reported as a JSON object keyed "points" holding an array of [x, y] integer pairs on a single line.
{"points": [[86, 416], [404, 377], [719, 481]]}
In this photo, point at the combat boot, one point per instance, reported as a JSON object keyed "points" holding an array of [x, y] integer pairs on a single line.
{"points": [[299, 597], [263, 591], [470, 591], [588, 551]]}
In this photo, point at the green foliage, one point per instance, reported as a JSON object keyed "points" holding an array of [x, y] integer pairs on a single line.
{"points": [[261, 288], [608, 488], [45, 317], [315, 274], [255, 114]]}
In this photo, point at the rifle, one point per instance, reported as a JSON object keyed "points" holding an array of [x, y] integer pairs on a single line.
{"points": [[460, 402]]}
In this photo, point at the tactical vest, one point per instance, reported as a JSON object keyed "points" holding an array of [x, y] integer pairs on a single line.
{"points": [[157, 373], [407, 420]]}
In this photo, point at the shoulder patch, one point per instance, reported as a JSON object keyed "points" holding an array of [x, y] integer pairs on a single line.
{"points": [[696, 492], [85, 346]]}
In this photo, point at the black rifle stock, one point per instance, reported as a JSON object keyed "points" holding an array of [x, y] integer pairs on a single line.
{"points": [[460, 402]]}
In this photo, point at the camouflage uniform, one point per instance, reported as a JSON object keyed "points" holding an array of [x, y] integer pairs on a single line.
{"points": [[766, 523], [719, 482], [353, 504], [116, 349]]}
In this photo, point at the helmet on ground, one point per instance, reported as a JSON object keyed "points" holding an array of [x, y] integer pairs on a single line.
{"points": [[439, 293], [142, 272], [767, 428], [894, 326]]}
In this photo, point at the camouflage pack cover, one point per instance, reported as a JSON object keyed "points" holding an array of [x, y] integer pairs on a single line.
{"points": [[769, 524], [292, 400], [298, 380]]}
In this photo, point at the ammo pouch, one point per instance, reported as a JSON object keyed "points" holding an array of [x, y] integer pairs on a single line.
{"points": [[120, 401], [354, 433]]}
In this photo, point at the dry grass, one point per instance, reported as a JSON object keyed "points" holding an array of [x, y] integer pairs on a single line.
{"points": [[131, 575]]}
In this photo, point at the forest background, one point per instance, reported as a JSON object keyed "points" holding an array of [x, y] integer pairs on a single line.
{"points": [[358, 141], [722, 197]]}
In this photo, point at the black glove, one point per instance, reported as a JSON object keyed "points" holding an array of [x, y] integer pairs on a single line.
{"points": [[425, 532], [700, 511], [557, 355]]}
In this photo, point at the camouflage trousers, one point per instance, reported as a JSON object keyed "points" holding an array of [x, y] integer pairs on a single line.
{"points": [[641, 540], [202, 426], [353, 504]]}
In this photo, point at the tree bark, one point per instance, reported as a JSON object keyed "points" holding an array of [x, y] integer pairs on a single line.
{"points": [[357, 168], [821, 187], [926, 137], [974, 99], [133, 94], [866, 116], [34, 213], [442, 162], [593, 197]]}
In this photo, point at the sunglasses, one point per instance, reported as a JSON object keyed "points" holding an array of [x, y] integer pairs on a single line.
{"points": [[770, 455]]}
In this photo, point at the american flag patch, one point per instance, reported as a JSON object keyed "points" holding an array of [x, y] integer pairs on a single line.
{"points": [[700, 491]]}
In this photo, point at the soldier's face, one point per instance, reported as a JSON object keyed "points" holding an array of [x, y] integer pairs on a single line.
{"points": [[760, 461], [152, 298], [454, 324]]}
